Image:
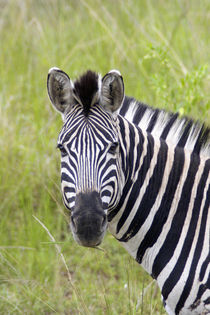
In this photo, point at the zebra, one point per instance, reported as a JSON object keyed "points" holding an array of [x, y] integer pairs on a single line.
{"points": [[141, 172]]}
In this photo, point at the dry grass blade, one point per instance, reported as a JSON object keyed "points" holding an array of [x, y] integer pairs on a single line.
{"points": [[144, 292], [99, 248], [65, 264]]}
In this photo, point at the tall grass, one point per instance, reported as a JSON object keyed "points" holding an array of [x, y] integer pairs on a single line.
{"points": [[162, 50]]}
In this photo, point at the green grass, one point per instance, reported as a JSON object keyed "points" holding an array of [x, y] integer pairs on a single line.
{"points": [[162, 51]]}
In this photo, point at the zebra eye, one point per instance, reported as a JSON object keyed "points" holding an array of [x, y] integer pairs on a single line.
{"points": [[62, 150], [113, 148]]}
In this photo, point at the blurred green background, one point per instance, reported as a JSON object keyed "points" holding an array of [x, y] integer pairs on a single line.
{"points": [[162, 50]]}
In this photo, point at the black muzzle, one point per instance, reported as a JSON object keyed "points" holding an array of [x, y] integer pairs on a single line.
{"points": [[88, 219]]}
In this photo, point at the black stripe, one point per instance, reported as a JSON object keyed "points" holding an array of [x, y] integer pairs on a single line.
{"points": [[123, 144], [207, 301], [164, 209], [100, 165], [148, 199], [204, 136], [70, 199], [185, 134], [69, 189], [131, 135], [77, 126], [64, 165], [70, 170], [65, 177], [109, 163], [125, 105], [168, 247], [139, 217], [153, 120], [139, 113], [168, 126], [204, 267], [126, 165], [106, 193], [180, 264], [97, 129], [199, 245], [112, 173], [179, 220], [114, 212], [111, 184]]}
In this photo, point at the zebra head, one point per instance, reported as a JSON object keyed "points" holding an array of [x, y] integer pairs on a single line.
{"points": [[88, 141]]}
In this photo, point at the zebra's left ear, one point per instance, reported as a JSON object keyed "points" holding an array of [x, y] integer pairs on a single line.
{"points": [[60, 88], [112, 91]]}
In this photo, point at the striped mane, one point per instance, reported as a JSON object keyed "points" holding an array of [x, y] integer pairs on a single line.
{"points": [[179, 131]]}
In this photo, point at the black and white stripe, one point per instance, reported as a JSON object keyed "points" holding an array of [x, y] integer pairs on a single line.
{"points": [[151, 169], [182, 132], [163, 217]]}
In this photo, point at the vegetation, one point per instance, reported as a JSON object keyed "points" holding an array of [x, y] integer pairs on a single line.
{"points": [[162, 50]]}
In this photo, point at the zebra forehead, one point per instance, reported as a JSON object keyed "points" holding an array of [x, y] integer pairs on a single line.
{"points": [[98, 124], [91, 130], [86, 89]]}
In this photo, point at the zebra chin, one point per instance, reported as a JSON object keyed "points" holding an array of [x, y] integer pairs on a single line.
{"points": [[88, 219]]}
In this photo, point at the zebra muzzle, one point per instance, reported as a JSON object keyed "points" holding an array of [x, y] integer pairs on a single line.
{"points": [[88, 219]]}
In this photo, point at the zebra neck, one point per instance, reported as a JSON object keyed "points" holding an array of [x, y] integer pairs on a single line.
{"points": [[157, 197]]}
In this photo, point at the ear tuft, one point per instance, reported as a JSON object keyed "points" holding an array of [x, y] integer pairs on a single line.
{"points": [[59, 88], [112, 91]]}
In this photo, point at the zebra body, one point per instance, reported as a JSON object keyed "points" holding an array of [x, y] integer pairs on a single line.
{"points": [[145, 174], [162, 226]]}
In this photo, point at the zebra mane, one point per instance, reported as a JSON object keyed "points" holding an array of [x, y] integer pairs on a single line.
{"points": [[86, 89], [176, 130]]}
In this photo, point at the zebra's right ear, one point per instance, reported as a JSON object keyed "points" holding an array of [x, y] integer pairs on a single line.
{"points": [[59, 87], [112, 91]]}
